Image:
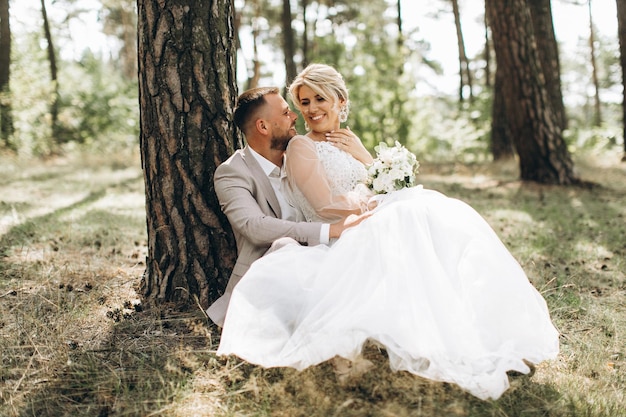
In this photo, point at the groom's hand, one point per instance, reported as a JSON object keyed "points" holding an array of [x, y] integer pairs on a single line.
{"points": [[336, 229]]}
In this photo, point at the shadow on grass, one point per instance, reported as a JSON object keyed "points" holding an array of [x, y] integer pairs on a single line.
{"points": [[381, 392]]}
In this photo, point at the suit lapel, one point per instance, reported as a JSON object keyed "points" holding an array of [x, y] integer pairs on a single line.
{"points": [[265, 187]]}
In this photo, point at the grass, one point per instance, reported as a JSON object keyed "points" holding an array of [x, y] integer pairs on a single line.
{"points": [[75, 339]]}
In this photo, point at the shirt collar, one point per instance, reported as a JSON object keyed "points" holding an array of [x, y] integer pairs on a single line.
{"points": [[267, 166]]}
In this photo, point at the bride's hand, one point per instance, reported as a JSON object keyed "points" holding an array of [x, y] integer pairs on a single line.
{"points": [[346, 140], [337, 228]]}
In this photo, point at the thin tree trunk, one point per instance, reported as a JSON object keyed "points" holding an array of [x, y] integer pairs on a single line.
{"points": [[304, 4], [253, 79], [597, 119], [536, 133], [6, 118], [54, 105], [548, 50], [187, 90], [621, 29], [129, 49], [400, 41], [487, 53], [465, 74], [289, 45]]}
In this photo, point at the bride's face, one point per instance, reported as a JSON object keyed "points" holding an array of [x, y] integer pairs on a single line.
{"points": [[320, 114]]}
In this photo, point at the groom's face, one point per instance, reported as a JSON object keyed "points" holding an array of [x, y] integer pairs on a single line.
{"points": [[282, 121]]}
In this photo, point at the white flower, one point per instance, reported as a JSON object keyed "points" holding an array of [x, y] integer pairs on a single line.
{"points": [[393, 168]]}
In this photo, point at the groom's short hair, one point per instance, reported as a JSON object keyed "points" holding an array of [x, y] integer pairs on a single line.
{"points": [[248, 104]]}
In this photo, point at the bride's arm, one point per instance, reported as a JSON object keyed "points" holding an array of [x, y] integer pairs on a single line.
{"points": [[306, 173]]}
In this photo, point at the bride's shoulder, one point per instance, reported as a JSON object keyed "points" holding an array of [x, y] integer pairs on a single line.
{"points": [[301, 142], [300, 139]]}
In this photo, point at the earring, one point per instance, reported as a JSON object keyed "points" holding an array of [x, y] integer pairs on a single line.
{"points": [[306, 126], [343, 113]]}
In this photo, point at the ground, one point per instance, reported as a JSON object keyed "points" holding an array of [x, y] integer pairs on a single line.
{"points": [[76, 339]]}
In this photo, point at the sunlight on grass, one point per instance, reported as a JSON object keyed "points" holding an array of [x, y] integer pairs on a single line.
{"points": [[592, 249]]}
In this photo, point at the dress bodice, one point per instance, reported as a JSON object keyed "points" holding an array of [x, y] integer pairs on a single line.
{"points": [[344, 176]]}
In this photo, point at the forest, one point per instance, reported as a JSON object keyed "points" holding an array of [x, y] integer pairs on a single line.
{"points": [[114, 115]]}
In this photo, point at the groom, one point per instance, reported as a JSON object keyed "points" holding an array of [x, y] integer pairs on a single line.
{"points": [[248, 187]]}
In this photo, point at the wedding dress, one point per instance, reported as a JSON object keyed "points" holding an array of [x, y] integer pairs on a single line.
{"points": [[425, 277]]}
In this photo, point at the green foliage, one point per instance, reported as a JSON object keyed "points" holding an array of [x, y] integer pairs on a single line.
{"points": [[101, 106], [31, 93], [442, 132], [97, 105], [595, 139]]}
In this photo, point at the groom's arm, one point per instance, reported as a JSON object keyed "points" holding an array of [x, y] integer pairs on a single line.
{"points": [[240, 202]]}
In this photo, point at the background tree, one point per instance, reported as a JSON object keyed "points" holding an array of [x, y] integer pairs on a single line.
{"points": [[6, 119], [289, 46], [535, 130], [621, 29], [54, 78], [548, 51], [120, 20], [501, 140], [187, 91], [465, 74], [487, 53], [304, 5], [597, 119]]}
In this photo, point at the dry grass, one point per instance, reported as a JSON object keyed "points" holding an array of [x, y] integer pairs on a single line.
{"points": [[75, 339]]}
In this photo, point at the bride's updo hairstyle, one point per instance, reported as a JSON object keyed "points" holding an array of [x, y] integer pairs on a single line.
{"points": [[326, 82]]}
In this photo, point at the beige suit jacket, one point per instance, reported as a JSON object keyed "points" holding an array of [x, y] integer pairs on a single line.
{"points": [[248, 200]]}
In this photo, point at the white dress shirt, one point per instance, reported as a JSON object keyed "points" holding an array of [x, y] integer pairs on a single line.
{"points": [[276, 175]]}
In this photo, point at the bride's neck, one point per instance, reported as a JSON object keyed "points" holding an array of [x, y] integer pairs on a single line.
{"points": [[317, 136]]}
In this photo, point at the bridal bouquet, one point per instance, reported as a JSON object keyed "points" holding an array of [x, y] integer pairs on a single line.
{"points": [[394, 168]]}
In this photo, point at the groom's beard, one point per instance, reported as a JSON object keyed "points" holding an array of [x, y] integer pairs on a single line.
{"points": [[280, 142]]}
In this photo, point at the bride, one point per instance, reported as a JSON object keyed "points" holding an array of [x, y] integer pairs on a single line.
{"points": [[425, 276]]}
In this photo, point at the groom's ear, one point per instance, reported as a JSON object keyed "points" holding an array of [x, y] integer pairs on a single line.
{"points": [[261, 126]]}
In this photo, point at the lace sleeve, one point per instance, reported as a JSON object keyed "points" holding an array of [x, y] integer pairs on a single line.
{"points": [[307, 175]]}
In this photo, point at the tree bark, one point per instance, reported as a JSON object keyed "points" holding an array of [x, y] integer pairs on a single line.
{"points": [[548, 51], [501, 138], [6, 119], [536, 133], [621, 29], [187, 90]]}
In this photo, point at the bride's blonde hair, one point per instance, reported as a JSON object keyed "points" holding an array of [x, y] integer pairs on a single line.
{"points": [[324, 80]]}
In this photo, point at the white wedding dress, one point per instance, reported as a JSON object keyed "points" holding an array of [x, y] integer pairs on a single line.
{"points": [[425, 276]]}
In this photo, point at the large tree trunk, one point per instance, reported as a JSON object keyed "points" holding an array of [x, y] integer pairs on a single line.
{"points": [[536, 133], [187, 90], [548, 51], [621, 28], [6, 119]]}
